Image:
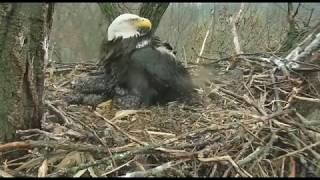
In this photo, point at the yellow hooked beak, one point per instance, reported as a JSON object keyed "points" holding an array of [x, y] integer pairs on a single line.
{"points": [[143, 23]]}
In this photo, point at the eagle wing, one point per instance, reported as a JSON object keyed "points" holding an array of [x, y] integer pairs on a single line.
{"points": [[163, 69], [115, 49]]}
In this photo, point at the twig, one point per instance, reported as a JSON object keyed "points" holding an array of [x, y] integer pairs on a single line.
{"points": [[155, 170], [249, 102], [298, 151], [315, 154], [58, 113], [52, 144], [235, 23], [117, 168], [205, 39], [277, 114], [106, 160], [297, 9], [307, 99], [119, 129], [98, 138], [203, 45], [241, 171], [5, 174], [275, 89], [38, 131], [251, 156], [300, 53], [14, 145], [310, 16], [253, 135]]}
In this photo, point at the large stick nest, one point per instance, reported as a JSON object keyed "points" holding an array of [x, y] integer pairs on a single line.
{"points": [[249, 125]]}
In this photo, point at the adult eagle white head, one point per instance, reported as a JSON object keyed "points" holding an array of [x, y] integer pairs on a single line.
{"points": [[138, 64], [128, 25]]}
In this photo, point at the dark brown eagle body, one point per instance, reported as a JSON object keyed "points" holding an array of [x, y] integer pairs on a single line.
{"points": [[137, 69], [144, 68]]}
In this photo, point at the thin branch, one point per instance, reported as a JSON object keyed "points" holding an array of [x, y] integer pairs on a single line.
{"points": [[235, 24], [295, 13], [298, 151], [119, 129]]}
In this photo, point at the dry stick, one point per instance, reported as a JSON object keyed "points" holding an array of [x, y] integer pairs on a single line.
{"points": [[302, 127], [58, 113], [265, 150], [203, 45], [106, 160], [277, 114], [15, 173], [243, 161], [213, 170], [14, 145], [251, 156], [204, 41], [243, 99], [275, 89], [298, 151], [185, 57], [263, 112], [119, 129], [5, 174], [241, 171], [307, 122], [315, 154], [142, 150], [99, 139], [307, 99], [38, 131], [235, 23], [92, 131], [256, 137], [306, 51], [117, 168], [29, 144], [243, 150], [52, 144], [155, 170]]}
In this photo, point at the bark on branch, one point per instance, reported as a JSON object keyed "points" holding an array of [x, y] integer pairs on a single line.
{"points": [[235, 24]]}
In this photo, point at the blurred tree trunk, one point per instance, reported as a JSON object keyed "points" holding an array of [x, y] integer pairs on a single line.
{"points": [[24, 30], [152, 11]]}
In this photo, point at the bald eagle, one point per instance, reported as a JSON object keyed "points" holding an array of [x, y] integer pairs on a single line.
{"points": [[140, 67]]}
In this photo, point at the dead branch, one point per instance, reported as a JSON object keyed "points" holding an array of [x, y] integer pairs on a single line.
{"points": [[119, 167], [204, 41], [153, 171], [241, 171], [59, 113], [275, 89], [120, 130], [304, 49], [235, 24], [38, 131], [298, 151], [14, 145]]}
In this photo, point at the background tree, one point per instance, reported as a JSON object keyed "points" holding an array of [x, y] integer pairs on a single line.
{"points": [[152, 11], [24, 30], [293, 31]]}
